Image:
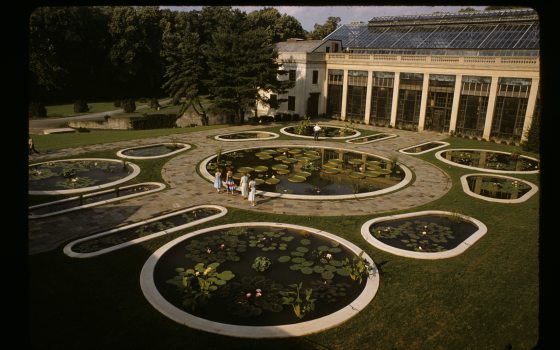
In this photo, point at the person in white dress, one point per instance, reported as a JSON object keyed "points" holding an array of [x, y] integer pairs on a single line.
{"points": [[218, 180], [244, 184], [252, 192]]}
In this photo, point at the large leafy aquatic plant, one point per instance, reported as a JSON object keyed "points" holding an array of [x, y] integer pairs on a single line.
{"points": [[301, 304], [200, 283], [359, 268], [252, 295]]}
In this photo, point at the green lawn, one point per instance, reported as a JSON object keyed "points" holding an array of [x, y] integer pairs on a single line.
{"points": [[60, 141], [485, 298]]}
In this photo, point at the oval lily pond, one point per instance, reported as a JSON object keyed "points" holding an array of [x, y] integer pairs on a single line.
{"points": [[327, 131], [314, 172], [424, 235], [153, 151], [259, 274], [498, 188], [78, 175], [247, 136], [492, 161]]}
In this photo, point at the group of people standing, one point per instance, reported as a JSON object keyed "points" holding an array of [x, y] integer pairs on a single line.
{"points": [[248, 186]]}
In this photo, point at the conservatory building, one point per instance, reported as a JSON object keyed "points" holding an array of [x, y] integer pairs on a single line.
{"points": [[473, 73]]}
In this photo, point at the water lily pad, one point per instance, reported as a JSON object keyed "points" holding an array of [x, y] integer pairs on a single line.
{"points": [[305, 242], [313, 157], [318, 269], [302, 249], [280, 158], [357, 175], [270, 151], [384, 171], [283, 171], [284, 258], [279, 166], [303, 173], [290, 161], [294, 151], [261, 168], [259, 182], [373, 167], [311, 153], [306, 270], [327, 275], [331, 171], [355, 161], [282, 149], [237, 176], [373, 162], [372, 173], [265, 157], [296, 178], [261, 154], [245, 169], [335, 161], [272, 181]]}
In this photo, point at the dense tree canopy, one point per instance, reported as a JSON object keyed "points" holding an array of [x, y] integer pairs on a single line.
{"points": [[121, 52], [321, 31]]}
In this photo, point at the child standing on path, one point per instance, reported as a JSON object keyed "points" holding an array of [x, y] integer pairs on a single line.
{"points": [[218, 180], [252, 192], [230, 184]]}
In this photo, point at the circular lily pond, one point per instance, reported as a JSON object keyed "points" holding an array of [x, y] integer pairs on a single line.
{"points": [[153, 151], [247, 136], [259, 280], [311, 172], [78, 175], [498, 188], [327, 132], [431, 234], [490, 161]]}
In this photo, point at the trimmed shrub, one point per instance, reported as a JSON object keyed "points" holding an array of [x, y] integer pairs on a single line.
{"points": [[81, 106], [129, 105], [37, 109]]}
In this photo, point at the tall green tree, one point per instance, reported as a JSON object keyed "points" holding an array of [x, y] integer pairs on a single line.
{"points": [[278, 27], [241, 61], [184, 64], [67, 52], [321, 31], [135, 50]]}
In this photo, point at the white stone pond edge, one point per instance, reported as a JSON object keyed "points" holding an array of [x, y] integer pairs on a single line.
{"points": [[281, 331], [272, 135], [389, 136], [355, 134], [482, 229], [407, 178], [68, 248], [159, 187], [526, 196], [135, 172], [182, 149], [440, 157], [442, 144]]}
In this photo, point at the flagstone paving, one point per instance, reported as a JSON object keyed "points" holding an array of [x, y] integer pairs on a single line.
{"points": [[186, 188]]}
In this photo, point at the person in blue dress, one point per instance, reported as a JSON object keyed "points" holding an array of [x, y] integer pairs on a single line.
{"points": [[218, 180], [230, 184]]}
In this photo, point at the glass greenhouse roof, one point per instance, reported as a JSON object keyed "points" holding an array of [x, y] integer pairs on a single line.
{"points": [[481, 30]]}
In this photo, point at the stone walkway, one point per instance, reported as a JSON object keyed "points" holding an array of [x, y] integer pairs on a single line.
{"points": [[186, 188]]}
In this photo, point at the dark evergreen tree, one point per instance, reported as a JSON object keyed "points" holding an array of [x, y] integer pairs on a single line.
{"points": [[533, 136]]}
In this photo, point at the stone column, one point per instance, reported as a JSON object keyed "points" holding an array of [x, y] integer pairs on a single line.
{"points": [[423, 102], [344, 95], [395, 101], [455, 105], [490, 110], [368, 96]]}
